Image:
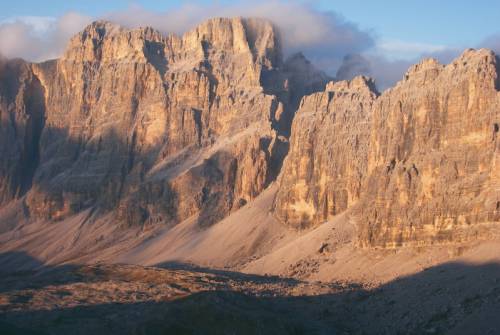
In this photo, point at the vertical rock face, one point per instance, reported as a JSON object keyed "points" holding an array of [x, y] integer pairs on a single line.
{"points": [[323, 173], [421, 160], [161, 128], [434, 153]]}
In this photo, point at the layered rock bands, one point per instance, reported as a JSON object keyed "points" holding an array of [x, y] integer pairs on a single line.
{"points": [[418, 164]]}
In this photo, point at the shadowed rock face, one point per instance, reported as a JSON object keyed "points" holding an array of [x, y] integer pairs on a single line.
{"points": [[422, 158], [21, 122], [158, 128]]}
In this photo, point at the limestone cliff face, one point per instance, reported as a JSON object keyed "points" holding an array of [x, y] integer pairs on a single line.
{"points": [[434, 153], [323, 173], [159, 128], [420, 161]]}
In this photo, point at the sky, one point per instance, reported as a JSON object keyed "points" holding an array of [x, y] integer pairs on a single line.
{"points": [[343, 38]]}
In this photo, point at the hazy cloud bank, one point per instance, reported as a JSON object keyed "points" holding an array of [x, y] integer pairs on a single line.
{"points": [[39, 38]]}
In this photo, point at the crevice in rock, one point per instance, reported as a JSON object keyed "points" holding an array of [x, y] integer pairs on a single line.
{"points": [[198, 124], [34, 100], [155, 54], [296, 79]]}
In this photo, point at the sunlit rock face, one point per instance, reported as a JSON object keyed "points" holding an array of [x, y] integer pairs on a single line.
{"points": [[323, 173], [156, 128], [420, 162], [434, 155]]}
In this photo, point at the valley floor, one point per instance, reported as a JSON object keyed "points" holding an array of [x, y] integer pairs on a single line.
{"points": [[180, 299], [247, 274]]}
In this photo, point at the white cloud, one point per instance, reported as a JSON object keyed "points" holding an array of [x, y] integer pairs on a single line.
{"points": [[37, 38]]}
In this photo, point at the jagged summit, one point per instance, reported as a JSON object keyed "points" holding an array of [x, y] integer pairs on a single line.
{"points": [[100, 28], [424, 65], [251, 44], [305, 70], [358, 83], [259, 36], [104, 41], [469, 61]]}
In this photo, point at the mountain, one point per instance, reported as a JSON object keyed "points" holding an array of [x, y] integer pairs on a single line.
{"points": [[214, 148], [155, 129], [205, 183], [419, 164]]}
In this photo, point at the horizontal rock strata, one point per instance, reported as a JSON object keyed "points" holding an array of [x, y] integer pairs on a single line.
{"points": [[420, 161]]}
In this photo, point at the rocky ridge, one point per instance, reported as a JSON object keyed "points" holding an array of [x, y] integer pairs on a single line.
{"points": [[417, 164]]}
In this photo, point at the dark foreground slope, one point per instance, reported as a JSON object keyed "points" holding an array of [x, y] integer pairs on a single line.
{"points": [[453, 298]]}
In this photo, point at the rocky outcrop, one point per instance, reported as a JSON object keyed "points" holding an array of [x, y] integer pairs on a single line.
{"points": [[323, 173], [420, 162]]}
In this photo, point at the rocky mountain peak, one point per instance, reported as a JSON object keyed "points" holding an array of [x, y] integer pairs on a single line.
{"points": [[482, 65], [255, 36], [105, 41], [470, 55], [360, 84], [305, 72], [426, 69], [99, 29]]}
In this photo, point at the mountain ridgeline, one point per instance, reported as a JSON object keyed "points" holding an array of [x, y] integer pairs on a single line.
{"points": [[151, 129]]}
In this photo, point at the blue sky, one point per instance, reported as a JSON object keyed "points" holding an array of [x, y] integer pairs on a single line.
{"points": [[388, 35], [443, 22]]}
